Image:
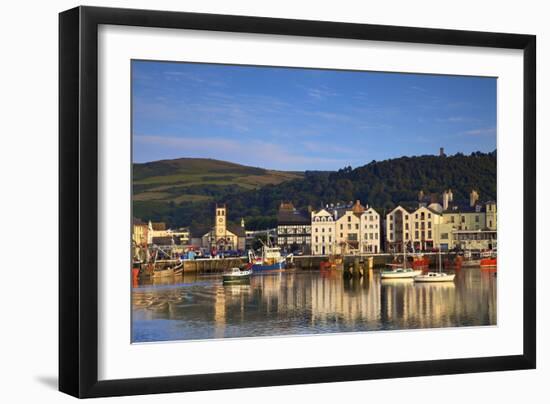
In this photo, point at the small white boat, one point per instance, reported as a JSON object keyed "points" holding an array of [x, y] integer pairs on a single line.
{"points": [[435, 276], [400, 271], [235, 275]]}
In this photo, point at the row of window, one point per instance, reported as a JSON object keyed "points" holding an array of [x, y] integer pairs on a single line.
{"points": [[417, 235], [294, 230]]}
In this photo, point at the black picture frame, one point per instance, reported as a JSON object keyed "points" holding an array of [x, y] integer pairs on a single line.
{"points": [[78, 196]]}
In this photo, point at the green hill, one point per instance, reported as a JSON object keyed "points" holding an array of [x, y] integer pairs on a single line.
{"points": [[182, 192], [199, 180]]}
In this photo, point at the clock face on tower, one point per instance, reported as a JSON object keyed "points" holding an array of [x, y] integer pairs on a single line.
{"points": [[220, 219]]}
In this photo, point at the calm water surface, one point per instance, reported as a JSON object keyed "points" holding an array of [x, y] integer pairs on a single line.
{"points": [[307, 302]]}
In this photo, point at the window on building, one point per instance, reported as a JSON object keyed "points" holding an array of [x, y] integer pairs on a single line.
{"points": [[429, 225], [371, 236], [352, 236], [463, 219], [391, 226], [429, 234], [341, 226], [406, 217], [452, 219], [406, 226], [316, 230], [416, 225], [323, 230], [356, 226], [316, 239], [406, 236], [477, 219], [429, 215], [349, 218], [341, 235], [330, 239], [323, 239], [444, 236], [416, 234]]}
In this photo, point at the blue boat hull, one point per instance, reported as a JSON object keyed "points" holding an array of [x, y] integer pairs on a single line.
{"points": [[259, 267]]}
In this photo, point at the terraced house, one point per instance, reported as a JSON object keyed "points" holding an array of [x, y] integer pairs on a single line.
{"points": [[350, 229]]}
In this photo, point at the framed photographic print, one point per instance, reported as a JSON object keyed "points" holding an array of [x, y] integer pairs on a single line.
{"points": [[251, 201]]}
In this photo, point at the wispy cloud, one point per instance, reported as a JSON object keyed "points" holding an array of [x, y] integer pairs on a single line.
{"points": [[319, 92], [480, 132], [457, 119], [251, 152]]}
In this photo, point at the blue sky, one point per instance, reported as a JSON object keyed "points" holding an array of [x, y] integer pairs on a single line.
{"points": [[305, 119]]}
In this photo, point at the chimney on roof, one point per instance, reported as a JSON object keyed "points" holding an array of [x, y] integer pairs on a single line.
{"points": [[474, 196], [447, 198]]}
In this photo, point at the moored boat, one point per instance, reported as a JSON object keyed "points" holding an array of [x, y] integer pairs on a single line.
{"points": [[271, 259], [163, 273], [400, 273], [435, 276], [237, 275], [400, 270], [488, 263]]}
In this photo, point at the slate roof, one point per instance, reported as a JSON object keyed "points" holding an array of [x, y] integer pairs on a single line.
{"points": [[287, 216]]}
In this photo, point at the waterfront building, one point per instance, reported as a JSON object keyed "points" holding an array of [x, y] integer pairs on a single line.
{"points": [[181, 235], [323, 233], [370, 225], [224, 236], [418, 229], [349, 229], [293, 229], [398, 228], [424, 226], [472, 226], [140, 233]]}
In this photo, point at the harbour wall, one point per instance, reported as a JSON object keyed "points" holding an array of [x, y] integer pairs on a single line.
{"points": [[306, 262]]}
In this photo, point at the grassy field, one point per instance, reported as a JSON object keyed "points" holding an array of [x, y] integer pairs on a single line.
{"points": [[193, 179]]}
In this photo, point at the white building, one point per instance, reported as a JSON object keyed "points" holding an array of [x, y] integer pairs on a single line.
{"points": [[349, 230], [323, 233]]}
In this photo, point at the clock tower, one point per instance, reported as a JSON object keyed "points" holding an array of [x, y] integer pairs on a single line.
{"points": [[221, 218]]}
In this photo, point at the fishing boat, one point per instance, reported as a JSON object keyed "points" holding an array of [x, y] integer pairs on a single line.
{"points": [[237, 275], [420, 261], [334, 262], [435, 276], [400, 270], [271, 259], [488, 263], [178, 269], [163, 272]]}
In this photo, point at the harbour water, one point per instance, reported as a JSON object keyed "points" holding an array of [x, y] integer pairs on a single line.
{"points": [[307, 302]]}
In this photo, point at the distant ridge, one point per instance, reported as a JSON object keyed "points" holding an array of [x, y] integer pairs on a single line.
{"points": [[182, 192]]}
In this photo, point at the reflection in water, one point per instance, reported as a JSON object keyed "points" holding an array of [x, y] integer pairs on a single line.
{"points": [[307, 302]]}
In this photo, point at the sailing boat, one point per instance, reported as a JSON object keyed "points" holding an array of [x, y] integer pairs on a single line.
{"points": [[435, 276], [399, 271]]}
